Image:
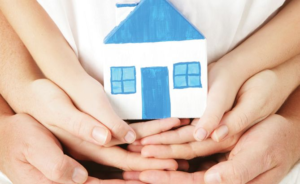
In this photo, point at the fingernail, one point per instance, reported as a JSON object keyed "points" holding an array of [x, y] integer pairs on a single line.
{"points": [[100, 135], [79, 175], [213, 178], [221, 132], [130, 137], [200, 134]]}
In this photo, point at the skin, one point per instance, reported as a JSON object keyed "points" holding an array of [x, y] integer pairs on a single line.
{"points": [[86, 93], [256, 100], [23, 156], [258, 145], [262, 50], [30, 93]]}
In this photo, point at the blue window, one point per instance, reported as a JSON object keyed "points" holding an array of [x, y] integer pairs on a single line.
{"points": [[187, 75], [123, 80]]}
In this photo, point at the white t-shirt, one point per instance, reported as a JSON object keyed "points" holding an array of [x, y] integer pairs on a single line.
{"points": [[85, 24]]}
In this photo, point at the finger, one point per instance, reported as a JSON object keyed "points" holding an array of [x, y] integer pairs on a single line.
{"points": [[135, 149], [122, 159], [145, 129], [57, 167], [56, 109], [188, 150], [129, 161], [178, 136], [240, 169], [174, 177], [92, 100], [92, 180], [131, 175], [244, 115], [220, 99]]}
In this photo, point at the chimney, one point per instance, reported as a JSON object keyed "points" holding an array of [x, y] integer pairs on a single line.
{"points": [[124, 7]]}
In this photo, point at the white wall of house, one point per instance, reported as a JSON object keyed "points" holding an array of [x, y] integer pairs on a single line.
{"points": [[189, 102]]}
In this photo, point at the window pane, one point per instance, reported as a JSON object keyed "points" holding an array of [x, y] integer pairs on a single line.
{"points": [[180, 69], [194, 68], [116, 87], [128, 73], [194, 81], [116, 73], [180, 81], [129, 86]]}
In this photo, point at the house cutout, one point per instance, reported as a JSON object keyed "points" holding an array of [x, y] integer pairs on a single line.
{"points": [[155, 64]]}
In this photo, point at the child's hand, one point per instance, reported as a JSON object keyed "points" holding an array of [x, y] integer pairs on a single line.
{"points": [[257, 158], [260, 96]]}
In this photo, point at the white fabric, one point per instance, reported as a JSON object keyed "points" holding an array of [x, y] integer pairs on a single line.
{"points": [[85, 24]]}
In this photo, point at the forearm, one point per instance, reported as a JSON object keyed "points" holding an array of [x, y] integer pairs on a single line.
{"points": [[17, 68], [273, 44], [42, 38]]}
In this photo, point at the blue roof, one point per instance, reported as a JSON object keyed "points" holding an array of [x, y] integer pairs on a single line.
{"points": [[153, 21]]}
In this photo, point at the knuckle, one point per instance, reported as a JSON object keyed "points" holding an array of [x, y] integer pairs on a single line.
{"points": [[58, 170], [211, 121], [240, 121], [230, 143], [118, 128], [270, 158], [192, 153], [77, 124]]}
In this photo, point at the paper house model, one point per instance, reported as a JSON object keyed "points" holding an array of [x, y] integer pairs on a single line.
{"points": [[155, 64]]}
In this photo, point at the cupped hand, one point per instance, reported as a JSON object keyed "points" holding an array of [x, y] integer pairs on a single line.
{"points": [[31, 154], [260, 96], [180, 144], [264, 154]]}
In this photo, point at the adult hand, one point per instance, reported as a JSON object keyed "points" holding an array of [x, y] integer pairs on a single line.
{"points": [[264, 154], [31, 154]]}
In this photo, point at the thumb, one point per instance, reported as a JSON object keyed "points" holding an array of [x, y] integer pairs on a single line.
{"points": [[220, 99], [47, 156], [245, 114], [59, 111], [244, 167]]}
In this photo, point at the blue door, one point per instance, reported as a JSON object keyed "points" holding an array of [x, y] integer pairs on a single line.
{"points": [[155, 93]]}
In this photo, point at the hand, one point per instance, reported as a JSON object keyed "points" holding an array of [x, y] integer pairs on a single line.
{"points": [[95, 120], [51, 106], [260, 96], [257, 158], [180, 144], [31, 154]]}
